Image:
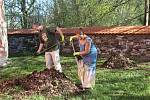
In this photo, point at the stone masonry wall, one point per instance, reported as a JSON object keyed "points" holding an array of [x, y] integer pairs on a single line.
{"points": [[19, 44], [136, 47]]}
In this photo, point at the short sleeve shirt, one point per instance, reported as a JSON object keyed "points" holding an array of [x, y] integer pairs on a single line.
{"points": [[49, 40]]}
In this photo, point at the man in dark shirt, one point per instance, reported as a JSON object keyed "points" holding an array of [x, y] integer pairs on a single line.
{"points": [[49, 42]]}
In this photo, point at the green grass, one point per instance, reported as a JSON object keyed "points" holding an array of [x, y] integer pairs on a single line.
{"points": [[111, 84]]}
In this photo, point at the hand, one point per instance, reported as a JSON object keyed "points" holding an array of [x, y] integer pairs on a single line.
{"points": [[35, 54], [76, 53], [57, 28], [38, 52]]}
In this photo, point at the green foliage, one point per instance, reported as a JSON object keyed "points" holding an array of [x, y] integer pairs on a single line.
{"points": [[75, 13], [102, 12]]}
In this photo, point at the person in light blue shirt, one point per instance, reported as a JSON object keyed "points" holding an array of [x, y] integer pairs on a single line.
{"points": [[87, 65]]}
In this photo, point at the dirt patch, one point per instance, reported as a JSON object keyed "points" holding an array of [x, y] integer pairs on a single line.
{"points": [[49, 82]]}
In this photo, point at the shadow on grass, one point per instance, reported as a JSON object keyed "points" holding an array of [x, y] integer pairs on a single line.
{"points": [[118, 80], [123, 97], [124, 87]]}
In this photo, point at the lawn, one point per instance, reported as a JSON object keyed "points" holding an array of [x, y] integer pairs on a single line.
{"points": [[111, 84]]}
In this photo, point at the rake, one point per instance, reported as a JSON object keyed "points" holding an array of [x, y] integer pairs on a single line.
{"points": [[46, 49], [77, 58]]}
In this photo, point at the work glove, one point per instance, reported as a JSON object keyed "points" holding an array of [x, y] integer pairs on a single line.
{"points": [[71, 38], [76, 53], [62, 38]]}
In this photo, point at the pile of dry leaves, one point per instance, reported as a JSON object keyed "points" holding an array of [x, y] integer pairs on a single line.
{"points": [[118, 60], [49, 82]]}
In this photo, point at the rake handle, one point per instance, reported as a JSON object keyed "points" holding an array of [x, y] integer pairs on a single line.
{"points": [[47, 49], [74, 51]]}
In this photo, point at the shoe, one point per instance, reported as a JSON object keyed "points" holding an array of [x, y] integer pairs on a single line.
{"points": [[86, 88], [79, 86]]}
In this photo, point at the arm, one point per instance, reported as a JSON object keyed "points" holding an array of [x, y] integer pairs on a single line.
{"points": [[72, 37], [60, 32], [40, 48], [86, 50]]}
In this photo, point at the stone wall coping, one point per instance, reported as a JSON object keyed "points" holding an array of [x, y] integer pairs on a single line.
{"points": [[21, 31], [122, 30]]}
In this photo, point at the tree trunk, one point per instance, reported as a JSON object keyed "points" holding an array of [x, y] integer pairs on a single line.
{"points": [[24, 12], [146, 19], [3, 37]]}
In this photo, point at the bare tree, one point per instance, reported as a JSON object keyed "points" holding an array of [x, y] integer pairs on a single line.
{"points": [[25, 11], [146, 12], [3, 36]]}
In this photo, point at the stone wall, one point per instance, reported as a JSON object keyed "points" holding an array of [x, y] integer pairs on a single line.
{"points": [[136, 47], [19, 44]]}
